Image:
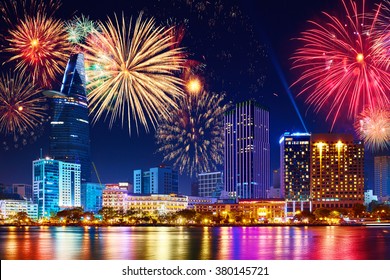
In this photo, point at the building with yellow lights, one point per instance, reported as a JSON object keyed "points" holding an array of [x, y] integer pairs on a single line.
{"points": [[336, 171], [160, 203]]}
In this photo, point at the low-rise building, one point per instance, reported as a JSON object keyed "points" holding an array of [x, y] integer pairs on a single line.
{"points": [[11, 207]]}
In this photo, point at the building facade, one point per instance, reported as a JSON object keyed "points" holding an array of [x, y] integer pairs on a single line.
{"points": [[92, 197], [210, 184], [156, 180], [337, 171], [295, 166], [56, 186], [247, 151], [11, 207], [382, 178], [115, 197], [157, 203], [69, 135]]}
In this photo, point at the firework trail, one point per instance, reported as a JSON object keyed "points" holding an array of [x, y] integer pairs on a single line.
{"points": [[38, 45], [373, 127], [342, 63], [192, 136], [22, 106], [130, 68]]}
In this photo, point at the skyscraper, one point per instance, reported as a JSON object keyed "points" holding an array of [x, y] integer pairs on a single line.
{"points": [[382, 177], [295, 166], [210, 184], [69, 139], [337, 171], [156, 180], [247, 151], [56, 185]]}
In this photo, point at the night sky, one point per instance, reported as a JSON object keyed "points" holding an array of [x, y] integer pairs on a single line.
{"points": [[240, 44]]}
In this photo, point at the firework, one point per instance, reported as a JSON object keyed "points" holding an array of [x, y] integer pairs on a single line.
{"points": [[383, 39], [192, 136], [39, 47], [373, 127], [342, 63], [22, 107], [130, 69], [80, 28]]}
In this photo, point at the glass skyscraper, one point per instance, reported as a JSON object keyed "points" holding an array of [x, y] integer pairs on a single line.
{"points": [[247, 151], [295, 166], [69, 139], [56, 185]]}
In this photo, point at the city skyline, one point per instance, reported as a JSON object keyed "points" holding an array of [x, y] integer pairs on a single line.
{"points": [[116, 154]]}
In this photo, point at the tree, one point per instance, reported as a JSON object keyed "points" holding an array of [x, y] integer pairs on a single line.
{"points": [[358, 209]]}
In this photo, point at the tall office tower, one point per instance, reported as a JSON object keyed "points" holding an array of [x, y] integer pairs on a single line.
{"points": [[157, 180], [337, 171], [295, 166], [382, 177], [69, 139], [247, 151], [210, 183], [56, 186]]}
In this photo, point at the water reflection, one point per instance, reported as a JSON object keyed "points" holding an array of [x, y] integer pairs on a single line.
{"points": [[170, 243]]}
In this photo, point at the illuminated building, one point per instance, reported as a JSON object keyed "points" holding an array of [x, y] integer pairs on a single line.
{"points": [[369, 197], [10, 207], [337, 171], [194, 200], [56, 186], [247, 151], [382, 177], [69, 135], [92, 197], [157, 203], [251, 210], [295, 171], [115, 196], [210, 183], [157, 180]]}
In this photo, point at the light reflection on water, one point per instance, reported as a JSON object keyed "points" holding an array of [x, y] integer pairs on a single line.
{"points": [[172, 243]]}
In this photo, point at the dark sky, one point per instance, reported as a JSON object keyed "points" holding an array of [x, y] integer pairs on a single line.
{"points": [[241, 44]]}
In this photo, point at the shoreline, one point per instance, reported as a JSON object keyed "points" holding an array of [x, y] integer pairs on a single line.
{"points": [[192, 225]]}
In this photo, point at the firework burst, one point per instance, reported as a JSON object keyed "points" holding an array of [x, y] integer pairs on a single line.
{"points": [[80, 28], [373, 127], [39, 47], [342, 63], [22, 107], [130, 69], [192, 136]]}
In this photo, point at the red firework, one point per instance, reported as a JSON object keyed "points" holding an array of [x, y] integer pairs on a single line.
{"points": [[39, 46], [342, 63]]}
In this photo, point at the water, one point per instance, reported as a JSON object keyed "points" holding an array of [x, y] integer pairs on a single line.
{"points": [[193, 243]]}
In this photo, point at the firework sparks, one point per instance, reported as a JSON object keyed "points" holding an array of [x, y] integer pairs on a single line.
{"points": [[192, 136], [22, 107], [341, 63], [130, 70], [80, 28], [39, 46], [373, 127]]}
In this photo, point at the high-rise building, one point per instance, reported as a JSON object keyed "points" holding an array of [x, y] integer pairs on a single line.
{"points": [[209, 183], [337, 171], [295, 166], [382, 177], [247, 151], [157, 180], [56, 186], [69, 138], [92, 196]]}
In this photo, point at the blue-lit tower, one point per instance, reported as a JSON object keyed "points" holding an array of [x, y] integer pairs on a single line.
{"points": [[247, 151], [69, 139]]}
